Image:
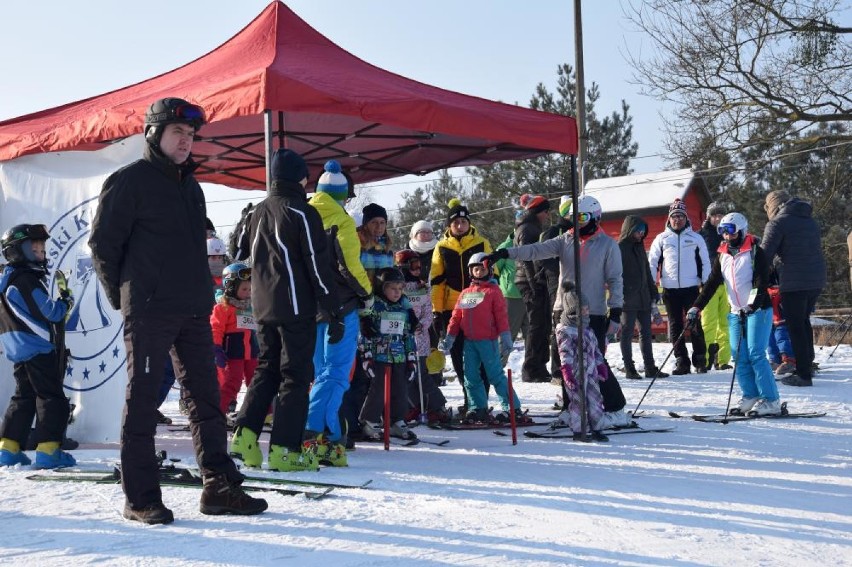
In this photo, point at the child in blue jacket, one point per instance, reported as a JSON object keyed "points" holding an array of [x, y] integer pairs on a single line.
{"points": [[30, 322]]}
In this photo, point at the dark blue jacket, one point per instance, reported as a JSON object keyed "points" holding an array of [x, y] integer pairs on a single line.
{"points": [[27, 313], [794, 237]]}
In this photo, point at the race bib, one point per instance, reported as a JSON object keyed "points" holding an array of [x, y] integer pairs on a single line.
{"points": [[392, 323], [246, 321], [471, 299], [417, 297]]}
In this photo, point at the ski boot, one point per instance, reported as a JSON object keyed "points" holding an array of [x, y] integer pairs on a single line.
{"points": [[282, 459], [244, 447], [50, 456], [331, 453]]}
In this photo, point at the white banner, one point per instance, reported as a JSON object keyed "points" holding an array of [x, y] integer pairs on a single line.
{"points": [[61, 191]]}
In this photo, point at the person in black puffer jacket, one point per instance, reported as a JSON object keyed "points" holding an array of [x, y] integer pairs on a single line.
{"points": [[793, 236]]}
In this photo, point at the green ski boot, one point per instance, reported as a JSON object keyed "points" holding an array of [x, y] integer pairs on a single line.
{"points": [[282, 459], [244, 447], [331, 453]]}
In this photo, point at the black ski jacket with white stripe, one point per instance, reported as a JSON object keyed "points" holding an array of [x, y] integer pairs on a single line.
{"points": [[288, 249]]}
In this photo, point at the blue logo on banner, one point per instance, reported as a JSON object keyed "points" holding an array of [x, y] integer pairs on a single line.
{"points": [[93, 332]]}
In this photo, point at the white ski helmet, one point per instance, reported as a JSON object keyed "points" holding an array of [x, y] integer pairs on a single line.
{"points": [[215, 247], [478, 259], [735, 220], [587, 205]]}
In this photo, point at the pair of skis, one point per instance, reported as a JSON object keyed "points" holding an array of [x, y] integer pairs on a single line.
{"points": [[718, 418], [558, 433], [179, 476]]}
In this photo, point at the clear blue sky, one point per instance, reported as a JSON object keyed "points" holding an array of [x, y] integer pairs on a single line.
{"points": [[56, 52]]}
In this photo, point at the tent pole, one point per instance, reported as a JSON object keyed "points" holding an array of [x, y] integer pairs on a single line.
{"points": [[580, 375], [583, 141], [267, 139]]}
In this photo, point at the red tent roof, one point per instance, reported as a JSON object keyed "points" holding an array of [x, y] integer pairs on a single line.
{"points": [[325, 102]]}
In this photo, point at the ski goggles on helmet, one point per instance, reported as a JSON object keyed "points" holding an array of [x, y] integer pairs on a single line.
{"points": [[189, 113], [242, 274], [32, 232], [727, 228], [584, 217]]}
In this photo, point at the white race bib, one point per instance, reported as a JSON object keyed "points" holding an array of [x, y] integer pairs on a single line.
{"points": [[417, 297], [392, 323], [246, 321], [471, 299]]}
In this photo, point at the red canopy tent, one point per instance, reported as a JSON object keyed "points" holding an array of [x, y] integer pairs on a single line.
{"points": [[279, 79]]}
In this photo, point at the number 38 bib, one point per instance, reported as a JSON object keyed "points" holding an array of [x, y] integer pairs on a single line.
{"points": [[471, 299]]}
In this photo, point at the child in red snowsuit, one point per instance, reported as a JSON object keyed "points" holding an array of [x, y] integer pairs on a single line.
{"points": [[481, 315], [234, 334]]}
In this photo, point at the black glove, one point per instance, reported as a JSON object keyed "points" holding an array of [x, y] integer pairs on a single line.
{"points": [[500, 254], [367, 330], [615, 314], [336, 328]]}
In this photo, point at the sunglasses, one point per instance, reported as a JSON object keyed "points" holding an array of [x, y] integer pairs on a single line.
{"points": [[727, 228], [678, 216]]}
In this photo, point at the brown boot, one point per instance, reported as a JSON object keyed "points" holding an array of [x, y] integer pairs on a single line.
{"points": [[155, 513], [221, 496]]}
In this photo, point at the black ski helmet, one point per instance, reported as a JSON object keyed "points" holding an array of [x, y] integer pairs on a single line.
{"points": [[171, 111], [13, 239], [385, 276]]}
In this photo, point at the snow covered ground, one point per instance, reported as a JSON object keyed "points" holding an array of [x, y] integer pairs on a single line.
{"points": [[752, 493]]}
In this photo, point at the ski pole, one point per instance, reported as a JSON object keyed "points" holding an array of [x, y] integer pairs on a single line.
{"points": [[839, 342], [844, 324], [422, 417], [734, 373], [659, 369], [512, 406], [387, 406]]}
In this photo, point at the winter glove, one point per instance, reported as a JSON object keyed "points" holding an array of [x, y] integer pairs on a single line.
{"points": [[438, 322], [747, 310], [692, 314], [365, 304], [568, 377], [506, 343], [614, 324], [656, 318], [367, 364], [68, 300], [446, 344], [495, 256], [367, 330], [336, 328], [411, 367], [219, 354]]}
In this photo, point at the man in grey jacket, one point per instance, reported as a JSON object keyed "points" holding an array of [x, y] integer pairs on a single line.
{"points": [[793, 236], [600, 271]]}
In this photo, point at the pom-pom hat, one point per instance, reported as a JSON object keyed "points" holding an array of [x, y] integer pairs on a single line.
{"points": [[333, 182]]}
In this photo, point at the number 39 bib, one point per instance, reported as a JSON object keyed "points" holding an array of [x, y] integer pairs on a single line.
{"points": [[392, 323]]}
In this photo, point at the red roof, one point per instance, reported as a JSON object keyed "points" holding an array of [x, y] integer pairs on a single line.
{"points": [[325, 102]]}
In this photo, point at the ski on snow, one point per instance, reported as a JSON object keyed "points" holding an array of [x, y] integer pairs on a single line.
{"points": [[555, 434], [719, 418], [171, 477]]}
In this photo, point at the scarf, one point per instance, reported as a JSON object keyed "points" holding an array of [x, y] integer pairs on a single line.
{"points": [[422, 247]]}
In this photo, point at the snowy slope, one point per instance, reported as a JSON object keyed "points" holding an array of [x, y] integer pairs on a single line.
{"points": [[750, 493]]}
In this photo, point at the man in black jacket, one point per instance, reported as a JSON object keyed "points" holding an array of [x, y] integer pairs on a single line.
{"points": [[793, 236], [149, 250], [291, 275], [533, 288]]}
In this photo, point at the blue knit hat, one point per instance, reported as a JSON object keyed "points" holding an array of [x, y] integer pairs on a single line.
{"points": [[333, 182], [287, 165]]}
